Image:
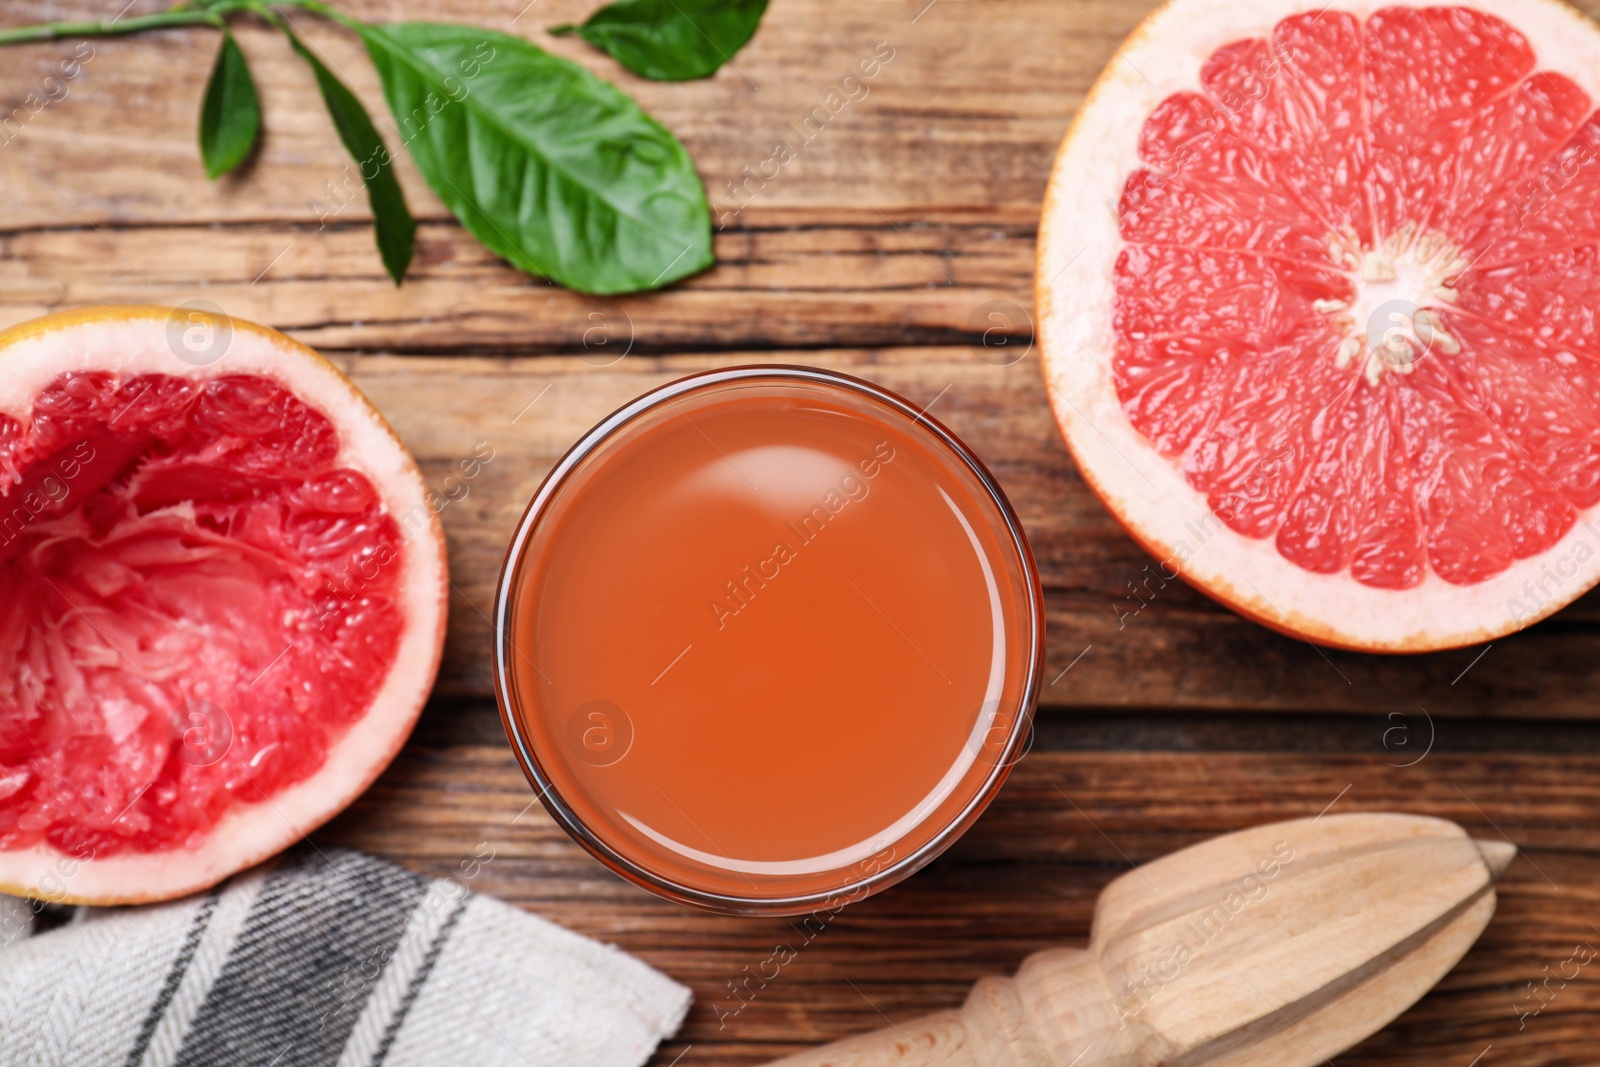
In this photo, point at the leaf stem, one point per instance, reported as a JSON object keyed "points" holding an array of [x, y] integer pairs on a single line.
{"points": [[185, 13], [49, 31]]}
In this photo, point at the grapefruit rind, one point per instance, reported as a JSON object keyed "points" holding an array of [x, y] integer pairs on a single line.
{"points": [[1079, 242], [133, 340]]}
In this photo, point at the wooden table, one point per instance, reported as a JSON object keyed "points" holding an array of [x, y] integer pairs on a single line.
{"points": [[884, 249]]}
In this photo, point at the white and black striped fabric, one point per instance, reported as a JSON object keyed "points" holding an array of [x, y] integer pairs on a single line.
{"points": [[325, 960]]}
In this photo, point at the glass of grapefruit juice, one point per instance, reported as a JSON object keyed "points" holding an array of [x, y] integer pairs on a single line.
{"points": [[768, 640]]}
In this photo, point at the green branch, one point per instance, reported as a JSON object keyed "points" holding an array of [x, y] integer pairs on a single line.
{"points": [[50, 31], [189, 13]]}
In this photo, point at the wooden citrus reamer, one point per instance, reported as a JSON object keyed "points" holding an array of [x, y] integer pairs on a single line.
{"points": [[1278, 946]]}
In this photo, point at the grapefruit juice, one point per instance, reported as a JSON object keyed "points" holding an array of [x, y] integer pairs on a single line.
{"points": [[768, 637]]}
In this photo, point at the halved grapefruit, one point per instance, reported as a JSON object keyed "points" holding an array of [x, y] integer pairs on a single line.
{"points": [[222, 600], [1319, 290]]}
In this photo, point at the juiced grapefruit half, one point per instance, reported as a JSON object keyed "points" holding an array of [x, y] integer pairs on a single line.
{"points": [[1318, 292], [222, 600]]}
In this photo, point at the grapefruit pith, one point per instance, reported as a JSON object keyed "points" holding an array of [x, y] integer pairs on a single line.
{"points": [[1317, 292], [222, 600]]}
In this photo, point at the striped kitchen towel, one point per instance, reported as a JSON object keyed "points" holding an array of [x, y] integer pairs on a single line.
{"points": [[325, 960]]}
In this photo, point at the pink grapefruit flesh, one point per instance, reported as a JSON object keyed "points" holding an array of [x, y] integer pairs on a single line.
{"points": [[1317, 293], [223, 602]]}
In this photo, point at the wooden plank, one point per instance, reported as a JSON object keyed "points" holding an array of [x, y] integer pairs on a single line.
{"points": [[1179, 650], [954, 117], [902, 222], [788, 278], [1027, 875]]}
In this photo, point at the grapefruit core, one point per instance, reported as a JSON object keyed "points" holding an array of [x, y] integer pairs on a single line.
{"points": [[222, 600], [1317, 293]]}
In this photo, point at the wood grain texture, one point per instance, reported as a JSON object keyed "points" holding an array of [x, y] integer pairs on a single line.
{"points": [[898, 245], [967, 112], [911, 210], [788, 279]]}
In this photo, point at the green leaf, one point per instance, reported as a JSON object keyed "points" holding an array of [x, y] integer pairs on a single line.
{"points": [[396, 229], [551, 168], [230, 113], [671, 40]]}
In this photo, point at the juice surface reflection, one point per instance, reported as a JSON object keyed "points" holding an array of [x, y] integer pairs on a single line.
{"points": [[760, 641]]}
